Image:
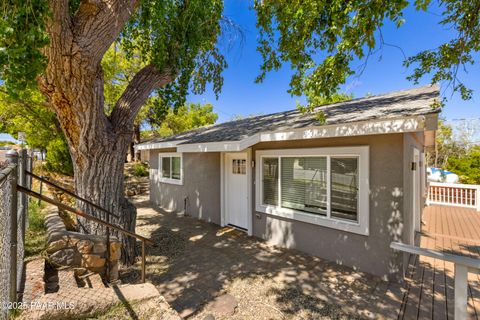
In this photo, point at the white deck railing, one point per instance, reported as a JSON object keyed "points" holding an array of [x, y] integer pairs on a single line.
{"points": [[463, 265], [452, 194]]}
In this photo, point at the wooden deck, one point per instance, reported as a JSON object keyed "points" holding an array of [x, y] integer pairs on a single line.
{"points": [[430, 282]]}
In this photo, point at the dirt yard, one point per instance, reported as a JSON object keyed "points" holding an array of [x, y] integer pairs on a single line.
{"points": [[204, 270]]}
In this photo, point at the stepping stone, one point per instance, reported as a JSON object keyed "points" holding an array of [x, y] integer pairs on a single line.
{"points": [[224, 305]]}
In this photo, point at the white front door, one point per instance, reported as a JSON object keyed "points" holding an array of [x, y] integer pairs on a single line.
{"points": [[236, 195]]}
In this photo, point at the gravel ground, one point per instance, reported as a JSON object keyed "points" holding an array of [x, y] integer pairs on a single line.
{"points": [[196, 262]]}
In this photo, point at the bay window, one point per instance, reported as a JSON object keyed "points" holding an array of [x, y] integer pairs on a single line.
{"points": [[170, 166], [325, 186]]}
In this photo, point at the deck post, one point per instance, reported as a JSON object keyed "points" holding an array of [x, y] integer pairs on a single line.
{"points": [[477, 200], [461, 291]]}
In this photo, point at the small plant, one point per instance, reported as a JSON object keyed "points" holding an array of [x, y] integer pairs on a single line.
{"points": [[58, 157], [36, 234], [140, 169]]}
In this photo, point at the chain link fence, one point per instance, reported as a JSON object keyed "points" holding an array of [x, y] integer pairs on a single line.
{"points": [[13, 222]]}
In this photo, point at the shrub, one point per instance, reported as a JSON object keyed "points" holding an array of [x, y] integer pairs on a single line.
{"points": [[140, 170], [467, 167], [58, 157]]}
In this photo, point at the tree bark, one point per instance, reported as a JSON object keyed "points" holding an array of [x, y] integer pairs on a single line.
{"points": [[73, 85], [100, 179]]}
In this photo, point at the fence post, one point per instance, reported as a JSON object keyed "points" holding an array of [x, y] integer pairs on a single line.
{"points": [[12, 157], [23, 181]]}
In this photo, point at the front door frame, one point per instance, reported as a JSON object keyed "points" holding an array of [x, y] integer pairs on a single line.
{"points": [[223, 200], [416, 194]]}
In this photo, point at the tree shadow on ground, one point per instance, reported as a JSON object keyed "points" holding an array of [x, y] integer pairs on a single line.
{"points": [[196, 261]]}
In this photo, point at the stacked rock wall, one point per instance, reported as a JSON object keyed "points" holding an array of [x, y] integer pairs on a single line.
{"points": [[83, 252]]}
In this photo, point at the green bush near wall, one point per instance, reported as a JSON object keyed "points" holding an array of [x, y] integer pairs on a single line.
{"points": [[467, 167], [140, 170], [58, 157]]}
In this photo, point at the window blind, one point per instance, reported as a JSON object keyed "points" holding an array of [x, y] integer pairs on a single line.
{"points": [[176, 168], [304, 184], [344, 188], [166, 167], [270, 181]]}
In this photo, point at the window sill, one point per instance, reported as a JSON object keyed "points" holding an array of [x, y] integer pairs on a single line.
{"points": [[171, 181], [353, 227]]}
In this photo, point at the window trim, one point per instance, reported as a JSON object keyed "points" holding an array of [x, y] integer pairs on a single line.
{"points": [[160, 171], [362, 152]]}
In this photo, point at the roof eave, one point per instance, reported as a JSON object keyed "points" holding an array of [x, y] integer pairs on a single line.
{"points": [[367, 127]]}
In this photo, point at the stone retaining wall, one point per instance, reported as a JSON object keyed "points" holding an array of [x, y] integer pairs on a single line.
{"points": [[82, 251]]}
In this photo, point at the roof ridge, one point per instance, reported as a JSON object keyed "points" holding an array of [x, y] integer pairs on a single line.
{"points": [[435, 86], [413, 101], [336, 103]]}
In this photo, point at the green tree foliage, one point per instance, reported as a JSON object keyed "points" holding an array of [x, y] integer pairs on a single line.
{"points": [[22, 35], [31, 115], [119, 68], [466, 166], [6, 143], [58, 157], [187, 117], [178, 37], [318, 39], [314, 101], [321, 39], [445, 146], [454, 152]]}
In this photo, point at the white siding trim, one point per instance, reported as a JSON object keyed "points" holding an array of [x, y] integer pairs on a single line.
{"points": [[362, 152], [222, 189], [360, 128], [369, 127], [249, 192], [410, 124], [158, 145]]}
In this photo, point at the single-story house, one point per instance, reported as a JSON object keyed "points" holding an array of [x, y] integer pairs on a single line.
{"points": [[342, 190]]}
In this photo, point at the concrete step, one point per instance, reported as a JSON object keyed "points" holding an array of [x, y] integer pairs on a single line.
{"points": [[34, 286], [66, 280], [84, 303], [93, 280]]}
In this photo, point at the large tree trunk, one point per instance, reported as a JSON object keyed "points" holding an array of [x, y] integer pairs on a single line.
{"points": [[73, 85], [100, 179]]}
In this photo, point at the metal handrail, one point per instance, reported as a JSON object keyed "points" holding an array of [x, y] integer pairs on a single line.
{"points": [[70, 193], [87, 216]]}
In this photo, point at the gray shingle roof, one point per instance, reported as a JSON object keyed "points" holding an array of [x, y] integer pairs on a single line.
{"points": [[411, 102]]}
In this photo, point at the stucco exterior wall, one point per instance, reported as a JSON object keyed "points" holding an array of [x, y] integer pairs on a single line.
{"points": [[410, 141], [199, 196], [368, 253], [389, 202]]}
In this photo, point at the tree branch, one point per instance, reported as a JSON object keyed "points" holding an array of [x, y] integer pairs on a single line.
{"points": [[97, 23], [135, 95]]}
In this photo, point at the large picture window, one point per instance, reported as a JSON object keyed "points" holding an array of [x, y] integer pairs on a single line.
{"points": [[170, 166], [326, 186]]}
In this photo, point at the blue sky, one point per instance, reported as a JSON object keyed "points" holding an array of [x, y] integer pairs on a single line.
{"points": [[384, 72]]}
